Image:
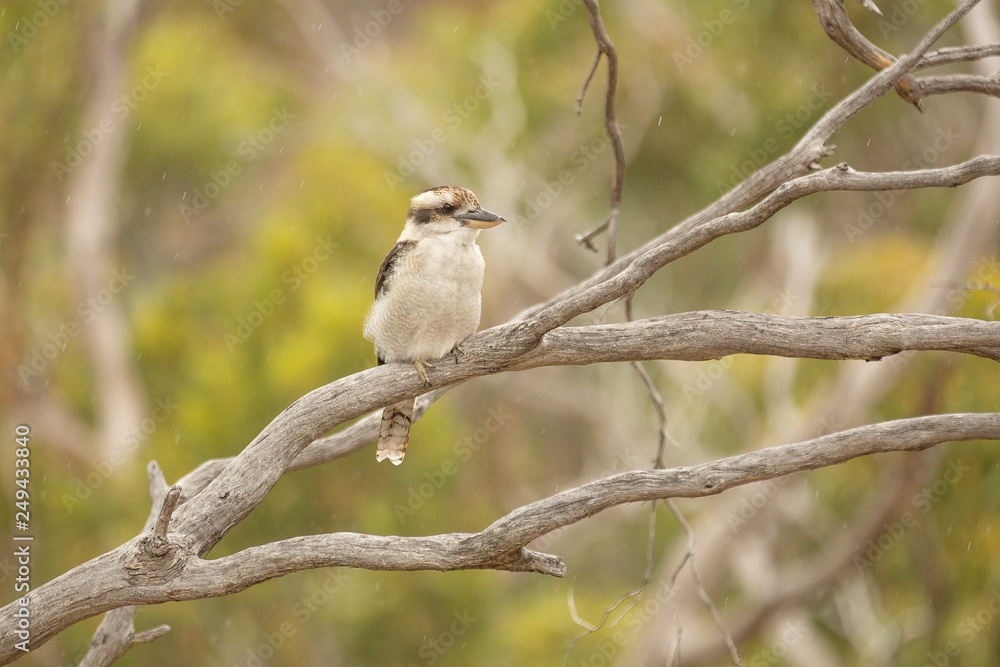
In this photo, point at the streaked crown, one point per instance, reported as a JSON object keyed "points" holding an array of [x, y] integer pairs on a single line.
{"points": [[442, 202]]}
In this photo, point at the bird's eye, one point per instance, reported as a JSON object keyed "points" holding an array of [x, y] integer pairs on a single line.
{"points": [[448, 208]]}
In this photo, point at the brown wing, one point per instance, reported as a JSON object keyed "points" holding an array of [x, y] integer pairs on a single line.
{"points": [[383, 279]]}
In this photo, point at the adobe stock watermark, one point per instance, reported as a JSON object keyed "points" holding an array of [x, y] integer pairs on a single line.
{"points": [[462, 450], [248, 150], [922, 503], [451, 119], [29, 25], [987, 273], [607, 648], [762, 493], [303, 609], [562, 12], [293, 278], [898, 15], [120, 110], [86, 311], [785, 128], [366, 33], [712, 30], [623, 461], [774, 654], [130, 441], [971, 625], [432, 649], [867, 215], [579, 161]]}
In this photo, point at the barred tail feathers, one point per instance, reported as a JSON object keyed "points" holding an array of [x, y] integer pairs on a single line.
{"points": [[394, 432]]}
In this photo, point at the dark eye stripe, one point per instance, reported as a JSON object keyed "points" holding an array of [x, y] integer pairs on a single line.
{"points": [[424, 215], [421, 216]]}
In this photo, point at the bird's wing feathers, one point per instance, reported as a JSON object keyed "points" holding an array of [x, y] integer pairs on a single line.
{"points": [[382, 281]]}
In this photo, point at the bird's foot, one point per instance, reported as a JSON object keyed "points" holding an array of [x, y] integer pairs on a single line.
{"points": [[457, 352], [422, 367]]}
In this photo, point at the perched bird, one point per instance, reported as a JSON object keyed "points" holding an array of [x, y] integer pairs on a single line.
{"points": [[427, 295]]}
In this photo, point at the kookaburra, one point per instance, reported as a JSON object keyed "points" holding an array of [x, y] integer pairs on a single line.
{"points": [[427, 295]]}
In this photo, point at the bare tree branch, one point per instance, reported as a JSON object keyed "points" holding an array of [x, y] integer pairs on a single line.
{"points": [[631, 271], [694, 336], [131, 575], [116, 635], [835, 21], [956, 54]]}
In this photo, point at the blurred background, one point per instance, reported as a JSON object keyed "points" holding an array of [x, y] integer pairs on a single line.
{"points": [[195, 198]]}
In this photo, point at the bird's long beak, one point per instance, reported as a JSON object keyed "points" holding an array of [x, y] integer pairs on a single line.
{"points": [[480, 219]]}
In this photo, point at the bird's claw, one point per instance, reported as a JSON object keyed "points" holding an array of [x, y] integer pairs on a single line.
{"points": [[457, 352], [422, 367]]}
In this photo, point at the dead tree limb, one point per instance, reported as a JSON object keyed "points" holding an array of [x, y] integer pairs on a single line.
{"points": [[133, 575]]}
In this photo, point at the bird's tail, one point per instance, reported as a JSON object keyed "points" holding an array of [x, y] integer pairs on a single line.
{"points": [[394, 432]]}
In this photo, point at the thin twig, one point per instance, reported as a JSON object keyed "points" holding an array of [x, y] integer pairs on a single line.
{"points": [[607, 48], [675, 649], [689, 554], [654, 395], [696, 576], [587, 240], [586, 82], [974, 286], [635, 594], [571, 603]]}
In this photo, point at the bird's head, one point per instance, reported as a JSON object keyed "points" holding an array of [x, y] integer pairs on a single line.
{"points": [[447, 209]]}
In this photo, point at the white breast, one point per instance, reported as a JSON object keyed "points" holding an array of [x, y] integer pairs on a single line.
{"points": [[433, 300]]}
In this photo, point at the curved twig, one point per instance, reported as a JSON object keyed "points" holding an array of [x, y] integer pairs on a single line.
{"points": [[837, 24]]}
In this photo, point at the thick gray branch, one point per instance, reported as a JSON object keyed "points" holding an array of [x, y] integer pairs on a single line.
{"points": [[694, 336], [712, 334], [132, 575]]}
